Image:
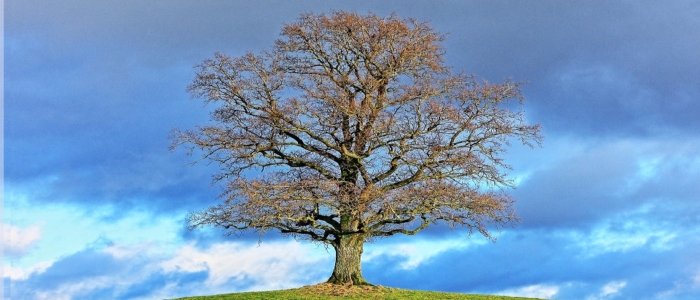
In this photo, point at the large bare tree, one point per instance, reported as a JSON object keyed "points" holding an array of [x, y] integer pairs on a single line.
{"points": [[357, 130]]}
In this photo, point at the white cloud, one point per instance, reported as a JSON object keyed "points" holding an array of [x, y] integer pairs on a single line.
{"points": [[610, 289], [69, 290], [230, 266], [623, 236], [270, 265], [59, 238], [15, 273], [419, 251], [532, 291], [18, 240], [123, 251]]}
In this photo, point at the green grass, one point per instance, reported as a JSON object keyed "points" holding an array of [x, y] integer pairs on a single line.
{"points": [[329, 291]]}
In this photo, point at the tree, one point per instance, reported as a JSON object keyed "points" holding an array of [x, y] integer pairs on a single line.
{"points": [[359, 131]]}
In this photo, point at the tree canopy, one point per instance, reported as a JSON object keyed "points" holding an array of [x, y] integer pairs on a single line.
{"points": [[356, 129]]}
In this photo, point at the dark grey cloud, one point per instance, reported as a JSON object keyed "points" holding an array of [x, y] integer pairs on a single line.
{"points": [[528, 258], [601, 100], [96, 130], [100, 85], [536, 37], [94, 89], [608, 178], [595, 68], [577, 191]]}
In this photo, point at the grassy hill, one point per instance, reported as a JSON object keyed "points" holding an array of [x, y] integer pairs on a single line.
{"points": [[329, 291]]}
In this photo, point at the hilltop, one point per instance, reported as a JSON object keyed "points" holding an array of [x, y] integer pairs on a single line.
{"points": [[330, 291]]}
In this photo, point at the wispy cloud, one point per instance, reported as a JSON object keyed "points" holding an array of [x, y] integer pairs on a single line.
{"points": [[609, 291], [415, 252], [143, 271], [266, 266], [532, 291], [18, 240]]}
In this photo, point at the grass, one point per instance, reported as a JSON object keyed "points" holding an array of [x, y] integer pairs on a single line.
{"points": [[330, 291]]}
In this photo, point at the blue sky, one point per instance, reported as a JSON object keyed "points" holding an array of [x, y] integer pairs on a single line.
{"points": [[94, 203]]}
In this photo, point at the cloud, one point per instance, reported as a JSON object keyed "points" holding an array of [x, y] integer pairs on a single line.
{"points": [[69, 228], [573, 191], [593, 69], [600, 178], [596, 99], [107, 120], [576, 262], [67, 276], [612, 288], [532, 291], [15, 273], [18, 240], [547, 262], [92, 90], [415, 252], [267, 266], [160, 32], [145, 271], [530, 38]]}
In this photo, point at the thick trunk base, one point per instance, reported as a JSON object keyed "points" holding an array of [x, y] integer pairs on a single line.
{"points": [[348, 267]]}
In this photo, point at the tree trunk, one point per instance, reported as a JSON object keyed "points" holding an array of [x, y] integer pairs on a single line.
{"points": [[348, 254]]}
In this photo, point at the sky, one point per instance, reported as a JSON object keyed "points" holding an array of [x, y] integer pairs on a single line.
{"points": [[95, 203]]}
